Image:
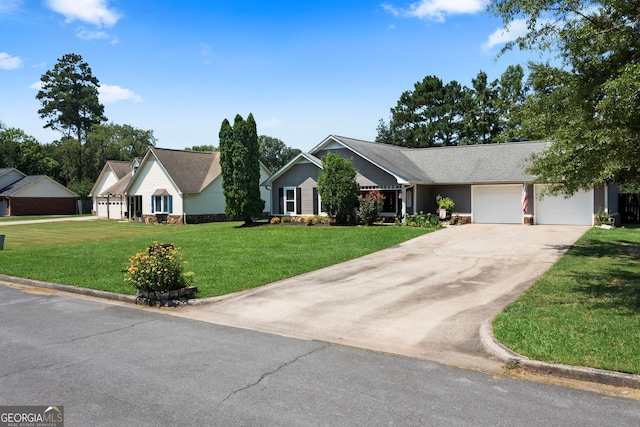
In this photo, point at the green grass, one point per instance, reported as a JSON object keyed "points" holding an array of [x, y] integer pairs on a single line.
{"points": [[224, 257], [585, 310]]}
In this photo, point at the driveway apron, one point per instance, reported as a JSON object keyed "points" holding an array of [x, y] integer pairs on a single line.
{"points": [[425, 298]]}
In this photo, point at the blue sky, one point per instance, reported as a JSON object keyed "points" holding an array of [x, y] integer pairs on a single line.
{"points": [[305, 69]]}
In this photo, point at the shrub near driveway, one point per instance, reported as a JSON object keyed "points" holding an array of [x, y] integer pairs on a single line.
{"points": [[223, 257], [585, 310]]}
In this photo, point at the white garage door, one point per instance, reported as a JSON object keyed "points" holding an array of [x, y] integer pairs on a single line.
{"points": [[576, 210], [496, 204]]}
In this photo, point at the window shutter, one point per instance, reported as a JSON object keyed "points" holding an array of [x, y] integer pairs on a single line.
{"points": [[298, 200], [281, 196], [153, 199], [315, 201], [170, 204]]}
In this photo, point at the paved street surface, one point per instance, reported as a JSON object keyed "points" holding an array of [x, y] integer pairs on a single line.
{"points": [[425, 298], [113, 365]]}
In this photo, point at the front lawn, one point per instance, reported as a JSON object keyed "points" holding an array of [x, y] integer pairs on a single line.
{"points": [[224, 257], [585, 310]]}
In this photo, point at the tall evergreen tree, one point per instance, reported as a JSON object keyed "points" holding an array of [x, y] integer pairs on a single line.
{"points": [[70, 104], [240, 167], [481, 117]]}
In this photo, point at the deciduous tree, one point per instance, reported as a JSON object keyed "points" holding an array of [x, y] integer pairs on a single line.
{"points": [[588, 101], [338, 188], [274, 153]]}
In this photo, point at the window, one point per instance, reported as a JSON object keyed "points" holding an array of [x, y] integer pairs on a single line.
{"points": [[161, 204], [289, 200]]}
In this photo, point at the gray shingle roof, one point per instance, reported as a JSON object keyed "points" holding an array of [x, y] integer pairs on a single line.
{"points": [[118, 188], [390, 157], [19, 185], [482, 163], [191, 171], [120, 167]]}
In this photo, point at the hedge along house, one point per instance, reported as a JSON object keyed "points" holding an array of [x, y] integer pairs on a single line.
{"points": [[177, 186], [486, 182], [34, 195], [107, 194]]}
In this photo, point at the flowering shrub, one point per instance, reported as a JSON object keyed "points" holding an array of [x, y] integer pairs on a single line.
{"points": [[275, 220], [158, 269], [370, 206]]}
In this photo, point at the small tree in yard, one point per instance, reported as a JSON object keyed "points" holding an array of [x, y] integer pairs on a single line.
{"points": [[370, 206], [338, 188]]}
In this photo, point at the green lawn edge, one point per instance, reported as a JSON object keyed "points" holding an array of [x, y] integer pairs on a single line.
{"points": [[225, 257], [585, 310]]}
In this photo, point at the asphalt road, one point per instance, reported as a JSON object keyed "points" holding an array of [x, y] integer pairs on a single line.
{"points": [[112, 365]]}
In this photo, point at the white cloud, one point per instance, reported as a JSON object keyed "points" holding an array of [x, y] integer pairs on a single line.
{"points": [[271, 123], [437, 10], [9, 62], [501, 36], [85, 34], [36, 85], [95, 12], [111, 94]]}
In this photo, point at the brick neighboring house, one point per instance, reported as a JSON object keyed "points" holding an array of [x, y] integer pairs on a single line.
{"points": [[22, 195]]}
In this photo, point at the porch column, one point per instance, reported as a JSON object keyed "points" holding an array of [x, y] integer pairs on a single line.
{"points": [[404, 201]]}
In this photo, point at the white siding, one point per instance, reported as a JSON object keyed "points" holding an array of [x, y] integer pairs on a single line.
{"points": [[147, 180], [45, 187], [210, 201], [104, 182], [265, 193], [497, 204]]}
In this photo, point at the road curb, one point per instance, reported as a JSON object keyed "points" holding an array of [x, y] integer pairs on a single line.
{"points": [[493, 347], [69, 288], [515, 360]]}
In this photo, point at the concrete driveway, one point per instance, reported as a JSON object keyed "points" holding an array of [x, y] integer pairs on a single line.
{"points": [[425, 298]]}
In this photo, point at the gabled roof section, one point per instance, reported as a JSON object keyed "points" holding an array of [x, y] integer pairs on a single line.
{"points": [[481, 163], [27, 181], [191, 171], [390, 158], [4, 171], [7, 171], [466, 164], [12, 189], [120, 168], [300, 158], [118, 188]]}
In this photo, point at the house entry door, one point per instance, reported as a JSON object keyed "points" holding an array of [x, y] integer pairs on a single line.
{"points": [[3, 207]]}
